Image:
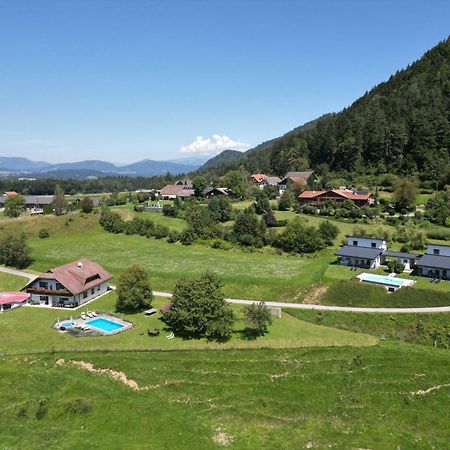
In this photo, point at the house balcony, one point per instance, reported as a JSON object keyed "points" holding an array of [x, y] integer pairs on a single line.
{"points": [[45, 291]]}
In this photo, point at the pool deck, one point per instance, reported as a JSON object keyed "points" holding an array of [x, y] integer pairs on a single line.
{"points": [[94, 331]]}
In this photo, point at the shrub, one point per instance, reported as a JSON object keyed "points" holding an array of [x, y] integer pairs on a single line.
{"points": [[173, 237], [396, 266], [43, 233], [139, 207], [299, 238], [187, 237], [257, 317], [328, 232]]}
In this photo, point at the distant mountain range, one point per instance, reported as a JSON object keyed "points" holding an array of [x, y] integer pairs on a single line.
{"points": [[16, 166]]}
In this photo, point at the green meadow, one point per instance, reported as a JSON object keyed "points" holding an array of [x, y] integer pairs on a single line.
{"points": [[385, 397]]}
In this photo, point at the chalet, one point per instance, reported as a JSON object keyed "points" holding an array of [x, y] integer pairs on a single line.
{"points": [[258, 177], [70, 285], [270, 181], [319, 199], [11, 300], [211, 192], [177, 190], [301, 178], [362, 252], [435, 262]]}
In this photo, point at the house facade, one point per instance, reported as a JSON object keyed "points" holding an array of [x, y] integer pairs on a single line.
{"points": [[302, 178], [435, 263], [320, 199], [361, 252], [12, 300], [409, 260], [70, 285]]}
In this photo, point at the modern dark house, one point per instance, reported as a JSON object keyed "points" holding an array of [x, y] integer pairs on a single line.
{"points": [[435, 262], [361, 252]]}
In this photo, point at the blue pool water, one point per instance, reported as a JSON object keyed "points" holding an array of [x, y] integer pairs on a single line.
{"points": [[104, 324], [372, 278], [67, 324]]}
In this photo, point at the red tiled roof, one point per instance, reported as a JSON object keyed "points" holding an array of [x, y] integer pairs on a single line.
{"points": [[11, 193], [346, 193], [258, 177], [7, 298], [77, 276]]}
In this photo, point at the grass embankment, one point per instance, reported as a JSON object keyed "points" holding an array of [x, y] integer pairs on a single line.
{"points": [[38, 336], [355, 293], [11, 282], [390, 396], [424, 329]]}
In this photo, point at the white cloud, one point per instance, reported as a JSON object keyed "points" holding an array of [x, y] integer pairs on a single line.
{"points": [[213, 145]]}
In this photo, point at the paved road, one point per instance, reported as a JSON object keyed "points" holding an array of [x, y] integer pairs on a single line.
{"points": [[329, 308], [32, 276], [19, 273]]}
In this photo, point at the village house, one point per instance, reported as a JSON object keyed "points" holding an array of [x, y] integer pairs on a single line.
{"points": [[211, 192], [362, 252], [181, 189], [263, 180], [320, 199], [301, 178], [435, 262], [409, 260], [69, 285]]}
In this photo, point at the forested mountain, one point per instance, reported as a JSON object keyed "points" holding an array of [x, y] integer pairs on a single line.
{"points": [[400, 126], [225, 157]]}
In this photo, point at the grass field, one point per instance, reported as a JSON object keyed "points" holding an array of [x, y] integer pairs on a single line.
{"points": [[355, 293], [273, 399], [425, 329], [40, 337], [11, 282]]}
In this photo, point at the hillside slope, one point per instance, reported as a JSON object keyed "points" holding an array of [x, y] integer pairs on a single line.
{"points": [[401, 126]]}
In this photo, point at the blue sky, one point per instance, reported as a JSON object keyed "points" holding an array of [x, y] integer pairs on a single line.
{"points": [[128, 80]]}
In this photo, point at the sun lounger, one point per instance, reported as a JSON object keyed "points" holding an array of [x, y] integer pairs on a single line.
{"points": [[89, 314], [94, 313], [83, 316], [86, 328]]}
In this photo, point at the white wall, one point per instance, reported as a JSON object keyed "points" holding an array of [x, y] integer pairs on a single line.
{"points": [[443, 250], [367, 242]]}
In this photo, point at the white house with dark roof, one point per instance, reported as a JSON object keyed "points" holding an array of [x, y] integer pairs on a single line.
{"points": [[362, 252], [435, 262], [69, 285]]}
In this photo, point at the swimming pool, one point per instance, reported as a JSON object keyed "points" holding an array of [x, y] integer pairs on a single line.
{"points": [[385, 281], [104, 324], [66, 324]]}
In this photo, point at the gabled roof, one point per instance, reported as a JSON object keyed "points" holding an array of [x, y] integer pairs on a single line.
{"points": [[402, 255], [272, 180], [345, 193], [434, 262], [305, 174], [258, 177], [77, 276], [11, 193], [219, 190], [355, 251]]}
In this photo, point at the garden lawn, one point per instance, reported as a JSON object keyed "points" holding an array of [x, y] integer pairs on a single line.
{"points": [[39, 336], [11, 282], [242, 399]]}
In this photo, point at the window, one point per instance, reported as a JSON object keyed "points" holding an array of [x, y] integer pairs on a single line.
{"points": [[43, 284], [355, 242], [84, 294], [98, 288], [374, 245], [92, 291], [436, 251], [44, 298], [59, 286]]}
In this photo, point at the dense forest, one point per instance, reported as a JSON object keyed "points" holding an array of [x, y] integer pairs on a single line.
{"points": [[401, 126]]}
